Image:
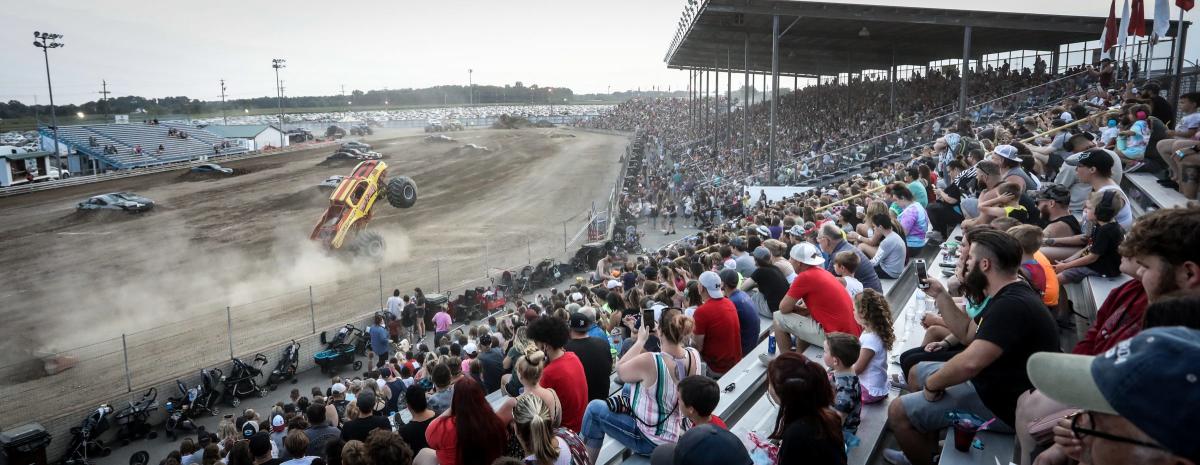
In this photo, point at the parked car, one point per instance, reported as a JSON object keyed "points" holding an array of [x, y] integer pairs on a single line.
{"points": [[356, 145], [211, 168], [117, 201], [331, 182]]}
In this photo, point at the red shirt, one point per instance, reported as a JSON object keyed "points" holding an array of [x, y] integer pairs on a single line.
{"points": [[565, 376], [442, 437], [826, 299], [717, 321], [718, 421], [1119, 318]]}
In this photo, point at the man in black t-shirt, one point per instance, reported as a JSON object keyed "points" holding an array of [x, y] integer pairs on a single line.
{"points": [[767, 278], [492, 361], [987, 377], [594, 354], [361, 427]]}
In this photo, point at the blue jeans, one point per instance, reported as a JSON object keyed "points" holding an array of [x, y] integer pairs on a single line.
{"points": [[599, 421]]}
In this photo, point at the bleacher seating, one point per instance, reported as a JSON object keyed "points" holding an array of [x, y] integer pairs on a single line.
{"points": [[126, 137]]}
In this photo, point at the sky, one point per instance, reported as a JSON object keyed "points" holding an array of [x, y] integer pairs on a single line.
{"points": [[171, 48]]}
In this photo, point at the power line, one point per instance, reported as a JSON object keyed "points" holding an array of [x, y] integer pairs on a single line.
{"points": [[104, 96], [223, 115]]}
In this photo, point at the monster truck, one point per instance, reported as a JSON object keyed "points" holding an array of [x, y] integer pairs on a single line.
{"points": [[343, 225]]}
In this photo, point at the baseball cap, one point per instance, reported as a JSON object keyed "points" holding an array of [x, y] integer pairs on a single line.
{"points": [[576, 296], [338, 387], [738, 243], [761, 253], [1066, 116], [807, 254], [729, 264], [260, 443], [249, 428], [1152, 380], [470, 348], [711, 282], [1095, 159], [1055, 192], [650, 272], [385, 372], [730, 278], [1007, 151], [277, 425], [763, 231], [710, 444], [581, 322], [796, 230], [485, 339], [612, 284], [366, 400]]}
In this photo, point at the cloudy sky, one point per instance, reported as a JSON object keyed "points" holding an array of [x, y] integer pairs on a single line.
{"points": [[184, 47]]}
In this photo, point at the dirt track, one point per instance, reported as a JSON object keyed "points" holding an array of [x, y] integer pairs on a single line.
{"points": [[74, 279]]}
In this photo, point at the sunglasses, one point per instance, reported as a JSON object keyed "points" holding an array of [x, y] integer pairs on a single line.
{"points": [[1079, 429]]}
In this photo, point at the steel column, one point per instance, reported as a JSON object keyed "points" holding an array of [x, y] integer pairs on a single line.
{"points": [[746, 97], [966, 57], [774, 96], [728, 102]]}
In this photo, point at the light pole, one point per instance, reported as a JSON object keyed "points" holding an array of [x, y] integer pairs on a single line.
{"points": [[47, 41], [470, 87], [279, 63]]}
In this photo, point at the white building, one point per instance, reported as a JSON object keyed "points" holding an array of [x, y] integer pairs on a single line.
{"points": [[251, 136]]}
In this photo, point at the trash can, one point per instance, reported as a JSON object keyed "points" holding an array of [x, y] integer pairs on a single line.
{"points": [[25, 444]]}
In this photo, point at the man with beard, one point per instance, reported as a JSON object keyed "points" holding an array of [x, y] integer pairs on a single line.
{"points": [[988, 376]]}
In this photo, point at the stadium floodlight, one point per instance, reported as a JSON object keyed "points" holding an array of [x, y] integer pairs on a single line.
{"points": [[47, 41], [80, 114]]}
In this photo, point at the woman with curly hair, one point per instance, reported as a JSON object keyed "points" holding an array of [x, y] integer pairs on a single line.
{"points": [[873, 314]]}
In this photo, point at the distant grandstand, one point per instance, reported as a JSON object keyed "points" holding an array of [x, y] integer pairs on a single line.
{"points": [[105, 147]]}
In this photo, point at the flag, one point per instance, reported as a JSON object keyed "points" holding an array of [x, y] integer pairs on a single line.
{"points": [[1108, 38], [1162, 18], [1185, 4], [1137, 19], [1123, 29]]}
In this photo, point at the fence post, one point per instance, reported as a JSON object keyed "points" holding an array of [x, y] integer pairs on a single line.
{"points": [[312, 310], [381, 305], [564, 236], [528, 252], [229, 323], [125, 351], [486, 271], [437, 265]]}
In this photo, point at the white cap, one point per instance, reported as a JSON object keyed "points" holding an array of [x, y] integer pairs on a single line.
{"points": [[338, 387], [1067, 117], [807, 253], [380, 382], [612, 283], [711, 282], [575, 296], [470, 348], [730, 264]]}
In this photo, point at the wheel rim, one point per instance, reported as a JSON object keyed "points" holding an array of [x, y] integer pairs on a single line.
{"points": [[409, 192]]}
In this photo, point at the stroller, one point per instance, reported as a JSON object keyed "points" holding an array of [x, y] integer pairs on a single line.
{"points": [[468, 306], [546, 273], [506, 281], [341, 350], [243, 380], [286, 368], [133, 420], [85, 440], [190, 403]]}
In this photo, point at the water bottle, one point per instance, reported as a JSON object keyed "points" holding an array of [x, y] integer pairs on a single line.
{"points": [[771, 344], [918, 311]]}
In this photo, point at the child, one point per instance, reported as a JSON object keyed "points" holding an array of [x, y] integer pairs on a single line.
{"points": [[1099, 257], [844, 265], [698, 396], [1006, 203], [1132, 143], [1030, 238], [841, 351], [873, 314]]}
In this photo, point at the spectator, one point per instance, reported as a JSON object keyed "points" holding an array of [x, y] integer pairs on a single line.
{"points": [[698, 397], [318, 433], [413, 432], [841, 352], [536, 433], [747, 315], [360, 428], [741, 255], [355, 453], [395, 387], [807, 427], [718, 334], [443, 394], [988, 376], [768, 278], [873, 314], [1095, 168], [594, 354], [1137, 401], [888, 259], [529, 371], [832, 241], [261, 448], [563, 371], [1181, 142], [1099, 257], [384, 447], [912, 218], [240, 454], [491, 360], [297, 445], [469, 433], [1006, 204], [844, 264], [441, 322], [644, 427], [703, 445], [379, 340], [815, 304], [1052, 200], [1030, 239], [916, 186]]}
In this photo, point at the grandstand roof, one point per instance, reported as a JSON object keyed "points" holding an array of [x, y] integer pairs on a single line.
{"points": [[824, 38], [238, 131]]}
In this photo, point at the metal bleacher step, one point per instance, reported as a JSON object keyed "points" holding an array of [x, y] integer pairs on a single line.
{"points": [[1147, 195], [997, 450]]}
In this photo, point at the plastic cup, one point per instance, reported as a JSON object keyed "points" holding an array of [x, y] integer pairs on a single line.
{"points": [[964, 434]]}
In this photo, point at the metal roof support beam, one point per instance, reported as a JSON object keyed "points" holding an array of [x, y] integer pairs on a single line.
{"points": [[962, 72], [746, 97], [774, 95]]}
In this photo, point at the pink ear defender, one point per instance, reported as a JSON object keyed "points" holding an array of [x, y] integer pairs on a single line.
{"points": [[1141, 115]]}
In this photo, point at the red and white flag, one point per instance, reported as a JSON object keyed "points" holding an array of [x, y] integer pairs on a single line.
{"points": [[1137, 19], [1185, 4], [1108, 37]]}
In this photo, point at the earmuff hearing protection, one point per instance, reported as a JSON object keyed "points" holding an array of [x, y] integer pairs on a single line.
{"points": [[1141, 115], [1104, 210]]}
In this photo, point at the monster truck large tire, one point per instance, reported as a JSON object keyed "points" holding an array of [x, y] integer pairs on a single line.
{"points": [[369, 244], [402, 192]]}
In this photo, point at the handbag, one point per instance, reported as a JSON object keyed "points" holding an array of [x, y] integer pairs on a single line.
{"points": [[1042, 429]]}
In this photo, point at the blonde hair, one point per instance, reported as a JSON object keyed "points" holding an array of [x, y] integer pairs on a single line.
{"points": [[674, 326], [354, 453], [529, 366], [535, 432], [226, 430]]}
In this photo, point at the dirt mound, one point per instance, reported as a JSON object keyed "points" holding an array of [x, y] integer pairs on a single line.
{"points": [[543, 124], [511, 122], [191, 176]]}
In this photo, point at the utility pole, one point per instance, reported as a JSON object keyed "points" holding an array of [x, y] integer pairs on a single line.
{"points": [[279, 63], [471, 87], [223, 115], [104, 96], [47, 42]]}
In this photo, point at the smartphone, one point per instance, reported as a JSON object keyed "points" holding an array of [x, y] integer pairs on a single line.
{"points": [[648, 319], [922, 273]]}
